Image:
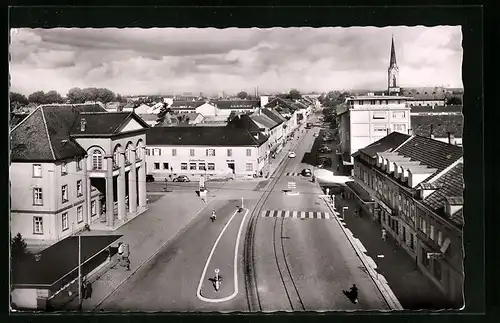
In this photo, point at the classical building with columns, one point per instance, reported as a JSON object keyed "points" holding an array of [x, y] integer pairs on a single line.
{"points": [[73, 165]]}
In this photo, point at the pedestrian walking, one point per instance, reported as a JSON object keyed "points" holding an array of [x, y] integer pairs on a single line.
{"points": [[384, 235]]}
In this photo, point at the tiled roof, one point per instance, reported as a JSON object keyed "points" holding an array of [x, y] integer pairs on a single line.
{"points": [[274, 115], [425, 93], [16, 118], [437, 109], [236, 104], [279, 102], [389, 142], [430, 152], [203, 136], [243, 121], [186, 104], [440, 124], [45, 134], [452, 187], [263, 120]]}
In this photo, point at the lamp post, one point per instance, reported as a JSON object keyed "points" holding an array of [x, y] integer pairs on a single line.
{"points": [[379, 257]]}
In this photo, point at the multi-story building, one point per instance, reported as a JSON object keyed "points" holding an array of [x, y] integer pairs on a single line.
{"points": [[415, 186], [271, 124], [205, 151], [366, 119], [69, 160]]}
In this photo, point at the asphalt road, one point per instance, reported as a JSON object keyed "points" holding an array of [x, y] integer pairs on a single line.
{"points": [[305, 264], [299, 264]]}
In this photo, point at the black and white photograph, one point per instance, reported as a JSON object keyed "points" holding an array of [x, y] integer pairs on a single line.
{"points": [[236, 169]]}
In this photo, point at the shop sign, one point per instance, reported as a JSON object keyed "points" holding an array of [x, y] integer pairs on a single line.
{"points": [[230, 160]]}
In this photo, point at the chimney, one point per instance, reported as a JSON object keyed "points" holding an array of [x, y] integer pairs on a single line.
{"points": [[451, 138], [83, 124]]}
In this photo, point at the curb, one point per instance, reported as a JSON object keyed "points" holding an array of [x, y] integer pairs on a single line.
{"points": [[152, 256], [384, 289]]}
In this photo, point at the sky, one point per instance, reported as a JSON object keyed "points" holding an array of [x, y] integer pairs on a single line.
{"points": [[175, 60]]}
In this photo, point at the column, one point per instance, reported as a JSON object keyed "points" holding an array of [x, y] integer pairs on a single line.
{"points": [[122, 211], [142, 178], [132, 184], [86, 191], [110, 217]]}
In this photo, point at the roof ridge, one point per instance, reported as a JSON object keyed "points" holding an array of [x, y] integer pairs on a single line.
{"points": [[404, 142], [47, 132]]}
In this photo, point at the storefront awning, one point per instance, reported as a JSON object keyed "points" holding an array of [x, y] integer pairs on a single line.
{"points": [[360, 192], [445, 245]]}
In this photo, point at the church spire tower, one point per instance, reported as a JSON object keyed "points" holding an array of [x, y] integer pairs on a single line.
{"points": [[393, 73]]}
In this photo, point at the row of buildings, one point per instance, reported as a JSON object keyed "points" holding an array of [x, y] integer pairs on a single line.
{"points": [[413, 187], [78, 165]]}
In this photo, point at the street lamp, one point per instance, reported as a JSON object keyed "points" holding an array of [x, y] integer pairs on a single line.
{"points": [[343, 212], [379, 257]]}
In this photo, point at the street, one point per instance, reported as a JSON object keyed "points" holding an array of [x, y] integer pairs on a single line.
{"points": [[284, 252]]}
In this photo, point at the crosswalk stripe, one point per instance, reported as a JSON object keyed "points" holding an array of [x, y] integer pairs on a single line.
{"points": [[295, 214]]}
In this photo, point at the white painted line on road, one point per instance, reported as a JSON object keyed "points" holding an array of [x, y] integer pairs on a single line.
{"points": [[327, 216], [235, 264], [302, 214], [287, 214]]}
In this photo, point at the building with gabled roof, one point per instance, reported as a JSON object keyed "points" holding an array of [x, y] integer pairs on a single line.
{"points": [[67, 161], [416, 189]]}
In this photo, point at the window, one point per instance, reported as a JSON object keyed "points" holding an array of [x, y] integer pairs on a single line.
{"points": [[165, 166], [211, 166], [380, 128], [249, 152], [79, 214], [249, 167], [210, 152], [174, 152], [79, 190], [425, 260], [440, 238], [360, 102], [64, 221], [191, 152], [157, 165], [64, 193], [184, 166], [412, 246], [423, 226], [431, 232], [64, 168], [148, 152], [96, 159], [398, 114], [156, 152], [372, 102], [437, 270], [379, 115], [78, 164], [201, 166], [229, 152], [93, 208], [400, 127], [192, 166], [37, 225], [37, 170]]}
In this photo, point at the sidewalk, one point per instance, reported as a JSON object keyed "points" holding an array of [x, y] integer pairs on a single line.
{"points": [[412, 288], [146, 235]]}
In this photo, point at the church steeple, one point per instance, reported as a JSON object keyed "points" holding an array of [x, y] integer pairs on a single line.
{"points": [[393, 73], [393, 55]]}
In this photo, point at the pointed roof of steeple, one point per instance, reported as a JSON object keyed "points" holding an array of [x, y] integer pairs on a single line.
{"points": [[393, 54]]}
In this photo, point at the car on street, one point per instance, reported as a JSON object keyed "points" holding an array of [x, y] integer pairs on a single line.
{"points": [[325, 150], [150, 178], [181, 178], [291, 154], [325, 161], [306, 172]]}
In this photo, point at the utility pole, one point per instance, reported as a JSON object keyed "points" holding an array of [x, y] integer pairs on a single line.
{"points": [[80, 299]]}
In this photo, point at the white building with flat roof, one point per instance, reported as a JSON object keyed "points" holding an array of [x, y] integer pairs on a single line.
{"points": [[366, 119]]}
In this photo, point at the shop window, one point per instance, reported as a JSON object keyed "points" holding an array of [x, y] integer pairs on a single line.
{"points": [[184, 166], [201, 166], [211, 166], [192, 166], [437, 270], [157, 166], [165, 166], [425, 260]]}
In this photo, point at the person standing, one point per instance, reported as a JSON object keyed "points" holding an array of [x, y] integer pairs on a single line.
{"points": [[384, 234]]}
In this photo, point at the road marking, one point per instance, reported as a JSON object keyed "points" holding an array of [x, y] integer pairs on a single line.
{"points": [[235, 264], [295, 214]]}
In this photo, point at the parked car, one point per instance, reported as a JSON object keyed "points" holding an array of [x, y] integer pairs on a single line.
{"points": [[325, 150], [181, 178], [292, 154], [150, 178], [306, 172]]}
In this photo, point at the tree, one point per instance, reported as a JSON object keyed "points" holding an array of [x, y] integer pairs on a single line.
{"points": [[105, 95], [19, 251], [18, 97], [53, 97], [454, 100], [37, 97], [242, 95], [75, 95], [163, 112], [294, 94]]}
